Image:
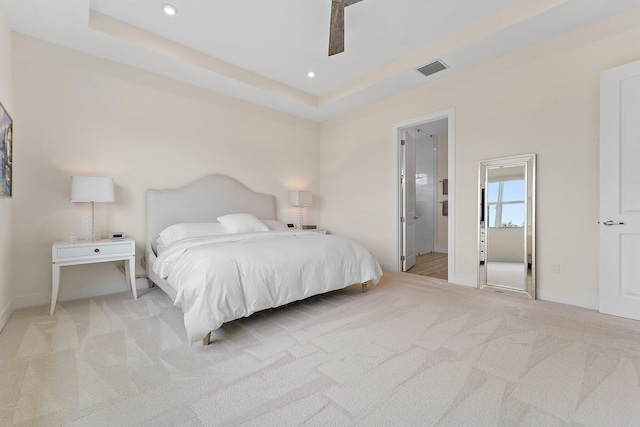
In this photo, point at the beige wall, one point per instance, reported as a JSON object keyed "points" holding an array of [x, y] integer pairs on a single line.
{"points": [[79, 114], [543, 99], [442, 170], [6, 222]]}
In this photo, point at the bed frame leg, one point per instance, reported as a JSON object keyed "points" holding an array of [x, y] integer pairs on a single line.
{"points": [[364, 287], [206, 340]]}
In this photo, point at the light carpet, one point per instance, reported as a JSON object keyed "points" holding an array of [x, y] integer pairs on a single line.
{"points": [[412, 351]]}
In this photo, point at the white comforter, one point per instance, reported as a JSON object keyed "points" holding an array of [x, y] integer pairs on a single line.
{"points": [[226, 277]]}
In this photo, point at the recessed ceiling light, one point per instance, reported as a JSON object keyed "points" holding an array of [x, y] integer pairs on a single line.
{"points": [[311, 74], [169, 9]]}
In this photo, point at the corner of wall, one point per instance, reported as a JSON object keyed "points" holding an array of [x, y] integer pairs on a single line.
{"points": [[6, 205], [5, 314], [569, 298]]}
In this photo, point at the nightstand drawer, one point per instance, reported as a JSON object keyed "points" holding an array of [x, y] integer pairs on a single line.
{"points": [[98, 249]]}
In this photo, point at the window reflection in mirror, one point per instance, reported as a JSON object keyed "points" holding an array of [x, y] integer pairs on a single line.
{"points": [[506, 203]]}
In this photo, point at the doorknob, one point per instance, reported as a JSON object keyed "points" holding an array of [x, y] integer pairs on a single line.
{"points": [[609, 223], [415, 217]]}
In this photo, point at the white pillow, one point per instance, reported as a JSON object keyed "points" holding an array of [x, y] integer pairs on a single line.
{"points": [[274, 224], [177, 232], [242, 223]]}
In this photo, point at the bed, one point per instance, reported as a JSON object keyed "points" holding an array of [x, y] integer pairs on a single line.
{"points": [[217, 276]]}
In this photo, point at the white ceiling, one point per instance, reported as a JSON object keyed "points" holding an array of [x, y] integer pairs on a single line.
{"points": [[261, 51]]}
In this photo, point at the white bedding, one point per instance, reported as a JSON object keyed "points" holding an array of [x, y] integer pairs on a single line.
{"points": [[226, 277]]}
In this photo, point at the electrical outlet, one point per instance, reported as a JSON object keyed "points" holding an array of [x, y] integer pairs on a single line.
{"points": [[555, 268], [143, 262]]}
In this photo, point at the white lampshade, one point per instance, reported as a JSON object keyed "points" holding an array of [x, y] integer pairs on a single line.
{"points": [[91, 189], [300, 198]]}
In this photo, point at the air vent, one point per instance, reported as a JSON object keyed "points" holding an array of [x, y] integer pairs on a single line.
{"points": [[433, 68]]}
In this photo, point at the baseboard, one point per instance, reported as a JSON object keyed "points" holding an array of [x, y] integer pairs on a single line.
{"points": [[578, 300], [142, 283], [441, 250], [388, 267], [6, 314], [24, 301], [471, 282], [98, 291], [33, 300]]}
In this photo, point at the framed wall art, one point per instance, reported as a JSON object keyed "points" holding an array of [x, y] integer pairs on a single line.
{"points": [[6, 153]]}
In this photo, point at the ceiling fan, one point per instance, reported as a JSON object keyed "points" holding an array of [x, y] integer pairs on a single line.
{"points": [[336, 30]]}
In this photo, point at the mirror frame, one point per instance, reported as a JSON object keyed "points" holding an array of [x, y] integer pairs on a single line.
{"points": [[526, 289]]}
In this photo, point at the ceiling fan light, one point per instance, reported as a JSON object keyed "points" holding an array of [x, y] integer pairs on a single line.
{"points": [[169, 9]]}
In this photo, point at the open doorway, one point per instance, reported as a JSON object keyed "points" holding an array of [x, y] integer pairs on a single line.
{"points": [[431, 198], [425, 195]]}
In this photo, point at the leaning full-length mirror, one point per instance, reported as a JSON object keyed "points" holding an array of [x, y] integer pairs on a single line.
{"points": [[506, 237]]}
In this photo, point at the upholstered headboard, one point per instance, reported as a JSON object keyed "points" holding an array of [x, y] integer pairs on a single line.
{"points": [[203, 201]]}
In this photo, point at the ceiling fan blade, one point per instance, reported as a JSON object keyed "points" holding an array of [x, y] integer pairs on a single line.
{"points": [[346, 3], [336, 30]]}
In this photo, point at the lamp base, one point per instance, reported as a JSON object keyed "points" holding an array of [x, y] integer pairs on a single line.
{"points": [[93, 223], [300, 218]]}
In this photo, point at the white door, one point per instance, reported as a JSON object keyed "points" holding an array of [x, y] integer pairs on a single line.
{"points": [[408, 201], [620, 191], [426, 186]]}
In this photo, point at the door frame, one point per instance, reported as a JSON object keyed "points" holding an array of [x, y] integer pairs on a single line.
{"points": [[408, 214], [448, 114]]}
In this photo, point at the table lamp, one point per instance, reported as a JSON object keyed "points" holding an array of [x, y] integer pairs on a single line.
{"points": [[300, 199], [92, 189]]}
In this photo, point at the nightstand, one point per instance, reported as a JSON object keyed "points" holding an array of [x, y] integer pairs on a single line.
{"points": [[89, 252], [319, 231]]}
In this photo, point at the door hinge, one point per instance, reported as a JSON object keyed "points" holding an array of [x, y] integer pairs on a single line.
{"points": [[401, 219], [402, 142], [402, 258]]}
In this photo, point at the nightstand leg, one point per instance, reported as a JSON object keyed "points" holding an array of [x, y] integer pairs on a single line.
{"points": [[55, 283], [130, 271]]}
